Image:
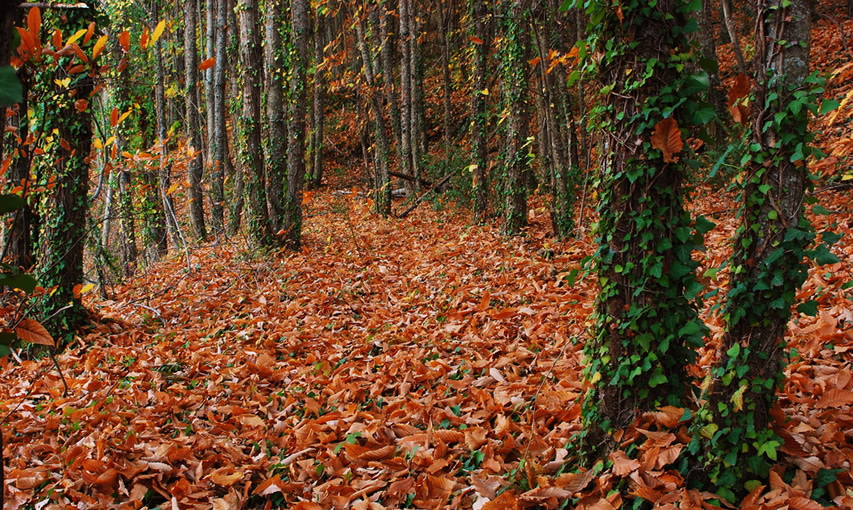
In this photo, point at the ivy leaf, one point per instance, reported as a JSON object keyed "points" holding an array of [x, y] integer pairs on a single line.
{"points": [[22, 282], [667, 139], [11, 91], [828, 105], [10, 203], [830, 238], [657, 378], [808, 308]]}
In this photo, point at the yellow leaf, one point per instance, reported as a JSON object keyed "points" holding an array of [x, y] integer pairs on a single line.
{"points": [[76, 37], [98, 143], [485, 92], [123, 116], [109, 141], [158, 31]]}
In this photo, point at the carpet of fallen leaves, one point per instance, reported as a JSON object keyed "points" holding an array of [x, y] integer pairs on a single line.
{"points": [[391, 362]]}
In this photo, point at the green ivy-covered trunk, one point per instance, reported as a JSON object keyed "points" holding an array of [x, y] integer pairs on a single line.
{"points": [[249, 136], [646, 325], [513, 71], [296, 119], [276, 139], [128, 251], [767, 266], [479, 110], [65, 219]]}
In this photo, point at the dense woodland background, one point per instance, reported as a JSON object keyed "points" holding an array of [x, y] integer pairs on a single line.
{"points": [[426, 254]]}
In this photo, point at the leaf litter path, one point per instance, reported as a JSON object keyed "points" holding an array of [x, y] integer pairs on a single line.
{"points": [[391, 363]]}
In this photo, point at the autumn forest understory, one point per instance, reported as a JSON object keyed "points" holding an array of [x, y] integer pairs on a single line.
{"points": [[427, 254]]}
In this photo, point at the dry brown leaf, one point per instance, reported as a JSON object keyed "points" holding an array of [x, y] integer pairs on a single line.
{"points": [[506, 501], [31, 330]]}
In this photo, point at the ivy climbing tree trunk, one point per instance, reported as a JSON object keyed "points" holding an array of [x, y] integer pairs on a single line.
{"points": [[513, 71], [235, 105], [192, 120], [128, 251], [381, 176], [301, 26], [479, 110], [767, 264], [646, 326], [249, 137], [65, 219], [276, 142]]}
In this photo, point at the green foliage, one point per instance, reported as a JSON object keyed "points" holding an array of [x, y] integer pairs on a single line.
{"points": [[647, 328]]}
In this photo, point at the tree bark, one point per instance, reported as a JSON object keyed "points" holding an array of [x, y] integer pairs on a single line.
{"points": [[220, 159], [61, 255], [234, 105], [513, 72], [479, 111], [192, 120], [251, 157], [277, 140], [301, 26], [767, 265], [317, 116]]}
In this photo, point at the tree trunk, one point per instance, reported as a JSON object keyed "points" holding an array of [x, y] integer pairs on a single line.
{"points": [[19, 243], [406, 110], [251, 157], [61, 256], [387, 60], [479, 111], [767, 265], [728, 18], [162, 138], [296, 142], [276, 115], [317, 117], [513, 72], [220, 159], [647, 328], [417, 132], [446, 85], [128, 251], [381, 177], [192, 120], [708, 47], [234, 105]]}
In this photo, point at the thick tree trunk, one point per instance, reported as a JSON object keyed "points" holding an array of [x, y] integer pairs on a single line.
{"points": [[767, 265], [251, 157], [646, 326], [61, 256], [479, 111], [192, 120], [301, 26], [277, 141], [387, 58], [513, 71]]}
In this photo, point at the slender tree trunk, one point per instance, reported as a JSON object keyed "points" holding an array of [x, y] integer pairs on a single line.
{"points": [[192, 120], [479, 109], [417, 132], [767, 265], [251, 156], [406, 111], [19, 240], [220, 159], [708, 47], [729, 19], [317, 117], [301, 25], [381, 176], [446, 85], [165, 174], [513, 71], [387, 56], [234, 105], [276, 115], [127, 217]]}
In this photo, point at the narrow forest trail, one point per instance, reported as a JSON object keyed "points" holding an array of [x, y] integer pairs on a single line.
{"points": [[391, 361]]}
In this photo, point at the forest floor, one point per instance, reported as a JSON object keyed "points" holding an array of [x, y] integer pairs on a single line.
{"points": [[422, 362], [391, 362]]}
